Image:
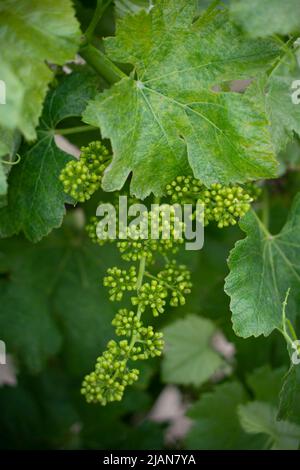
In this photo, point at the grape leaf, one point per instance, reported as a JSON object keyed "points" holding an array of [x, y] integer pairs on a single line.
{"points": [[260, 418], [262, 268], [51, 299], [26, 324], [290, 158], [168, 115], [276, 91], [9, 142], [189, 357], [32, 33], [215, 420], [42, 412], [289, 404], [48, 413], [266, 383], [268, 17], [36, 200]]}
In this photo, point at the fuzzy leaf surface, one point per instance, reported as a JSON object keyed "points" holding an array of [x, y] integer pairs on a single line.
{"points": [[168, 116], [189, 356]]}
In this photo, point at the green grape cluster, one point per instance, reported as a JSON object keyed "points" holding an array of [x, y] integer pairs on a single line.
{"points": [[93, 233], [82, 178], [91, 230], [184, 189], [111, 375], [157, 234], [113, 372], [152, 294], [119, 280], [135, 242], [222, 204], [178, 279], [225, 205], [161, 235], [126, 322]]}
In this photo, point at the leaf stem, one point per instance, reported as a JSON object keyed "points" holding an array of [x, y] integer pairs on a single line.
{"points": [[138, 286], [166, 284], [102, 64], [266, 209], [141, 273], [98, 13], [286, 322], [75, 130]]}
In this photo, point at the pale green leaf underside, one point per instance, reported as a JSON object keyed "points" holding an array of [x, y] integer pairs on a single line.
{"points": [[260, 418], [262, 268], [189, 357], [169, 116], [266, 17], [31, 33]]}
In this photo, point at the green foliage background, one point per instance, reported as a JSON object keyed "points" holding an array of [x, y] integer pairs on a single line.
{"points": [[55, 315]]}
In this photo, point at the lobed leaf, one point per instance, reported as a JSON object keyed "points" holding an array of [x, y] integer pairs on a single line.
{"points": [[168, 116], [260, 418], [36, 200], [262, 268], [189, 357]]}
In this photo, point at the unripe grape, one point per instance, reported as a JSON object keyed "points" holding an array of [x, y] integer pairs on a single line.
{"points": [[81, 178]]}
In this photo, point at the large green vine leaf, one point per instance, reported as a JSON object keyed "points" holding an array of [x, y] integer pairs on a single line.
{"points": [[216, 424], [31, 33], [189, 356], [276, 93], [260, 418], [262, 268], [262, 18], [289, 403], [168, 115], [226, 419], [36, 200]]}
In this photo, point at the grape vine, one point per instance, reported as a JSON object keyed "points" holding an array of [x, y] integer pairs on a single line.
{"points": [[150, 289]]}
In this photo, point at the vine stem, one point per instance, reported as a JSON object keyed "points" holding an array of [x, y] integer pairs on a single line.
{"points": [[139, 283], [156, 279], [75, 130], [98, 13], [141, 273], [266, 209], [133, 339], [286, 322], [102, 64]]}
